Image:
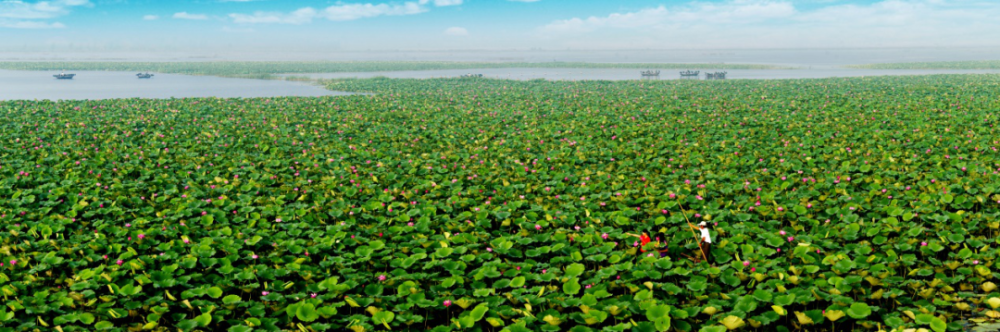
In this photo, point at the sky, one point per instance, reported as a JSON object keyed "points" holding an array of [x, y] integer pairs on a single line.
{"points": [[373, 25]]}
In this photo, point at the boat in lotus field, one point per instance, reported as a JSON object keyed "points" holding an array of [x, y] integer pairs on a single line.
{"points": [[146, 75]]}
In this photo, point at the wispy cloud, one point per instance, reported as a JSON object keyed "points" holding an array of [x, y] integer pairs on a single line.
{"points": [[301, 16], [150, 17], [343, 12], [348, 12], [17, 9], [189, 16], [775, 23], [30, 25], [456, 31], [442, 3], [19, 14]]}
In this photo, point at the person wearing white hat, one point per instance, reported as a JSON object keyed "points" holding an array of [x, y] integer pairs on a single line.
{"points": [[706, 241]]}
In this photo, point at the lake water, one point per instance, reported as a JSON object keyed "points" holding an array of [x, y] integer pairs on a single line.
{"points": [[632, 74], [30, 85]]}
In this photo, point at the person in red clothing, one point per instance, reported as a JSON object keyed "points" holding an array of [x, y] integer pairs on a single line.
{"points": [[643, 240]]}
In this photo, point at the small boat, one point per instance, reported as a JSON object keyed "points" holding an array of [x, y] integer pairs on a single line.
{"points": [[472, 75], [64, 76], [650, 73], [716, 75], [146, 75], [689, 73]]}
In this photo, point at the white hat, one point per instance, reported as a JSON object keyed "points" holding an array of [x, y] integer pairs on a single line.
{"points": [[702, 224]]}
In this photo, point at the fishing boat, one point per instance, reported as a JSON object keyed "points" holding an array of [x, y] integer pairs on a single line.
{"points": [[690, 74], [650, 73], [472, 75], [719, 75], [64, 76], [146, 75]]}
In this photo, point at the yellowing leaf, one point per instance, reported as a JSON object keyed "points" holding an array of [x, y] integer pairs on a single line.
{"points": [[803, 319], [733, 322], [779, 309], [833, 315]]}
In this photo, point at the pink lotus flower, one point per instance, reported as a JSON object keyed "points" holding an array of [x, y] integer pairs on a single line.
{"points": [[264, 293], [635, 244], [746, 263], [254, 256], [119, 262], [538, 227], [488, 249], [782, 232], [753, 269], [313, 295], [923, 244], [604, 236], [381, 277], [127, 225], [447, 303], [14, 262], [975, 262], [790, 239], [142, 236]]}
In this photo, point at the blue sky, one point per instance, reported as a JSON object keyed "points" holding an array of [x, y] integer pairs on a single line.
{"points": [[492, 24]]}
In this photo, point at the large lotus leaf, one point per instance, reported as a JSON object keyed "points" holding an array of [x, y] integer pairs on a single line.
{"points": [[859, 310], [571, 287], [383, 317]]}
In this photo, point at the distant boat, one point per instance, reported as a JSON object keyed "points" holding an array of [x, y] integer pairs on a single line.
{"points": [[650, 73], [689, 73], [64, 76], [146, 75], [472, 75]]}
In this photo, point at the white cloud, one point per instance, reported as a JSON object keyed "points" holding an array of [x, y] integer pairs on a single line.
{"points": [[16, 9], [301, 16], [348, 12], [456, 31], [17, 14], [31, 25], [442, 3], [150, 17], [778, 23], [343, 12], [189, 16]]}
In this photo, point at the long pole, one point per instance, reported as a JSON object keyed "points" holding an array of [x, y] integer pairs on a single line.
{"points": [[695, 234]]}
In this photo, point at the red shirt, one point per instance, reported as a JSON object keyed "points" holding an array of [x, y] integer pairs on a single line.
{"points": [[645, 240]]}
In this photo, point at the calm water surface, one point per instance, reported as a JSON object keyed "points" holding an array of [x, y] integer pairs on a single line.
{"points": [[632, 74], [30, 85]]}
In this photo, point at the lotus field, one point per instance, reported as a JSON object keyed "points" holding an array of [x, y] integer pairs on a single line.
{"points": [[492, 205]]}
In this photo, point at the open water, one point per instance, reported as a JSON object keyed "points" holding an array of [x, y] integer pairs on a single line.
{"points": [[31, 85]]}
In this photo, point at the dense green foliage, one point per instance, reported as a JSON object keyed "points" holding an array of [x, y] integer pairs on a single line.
{"points": [[983, 64], [495, 205], [266, 69]]}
